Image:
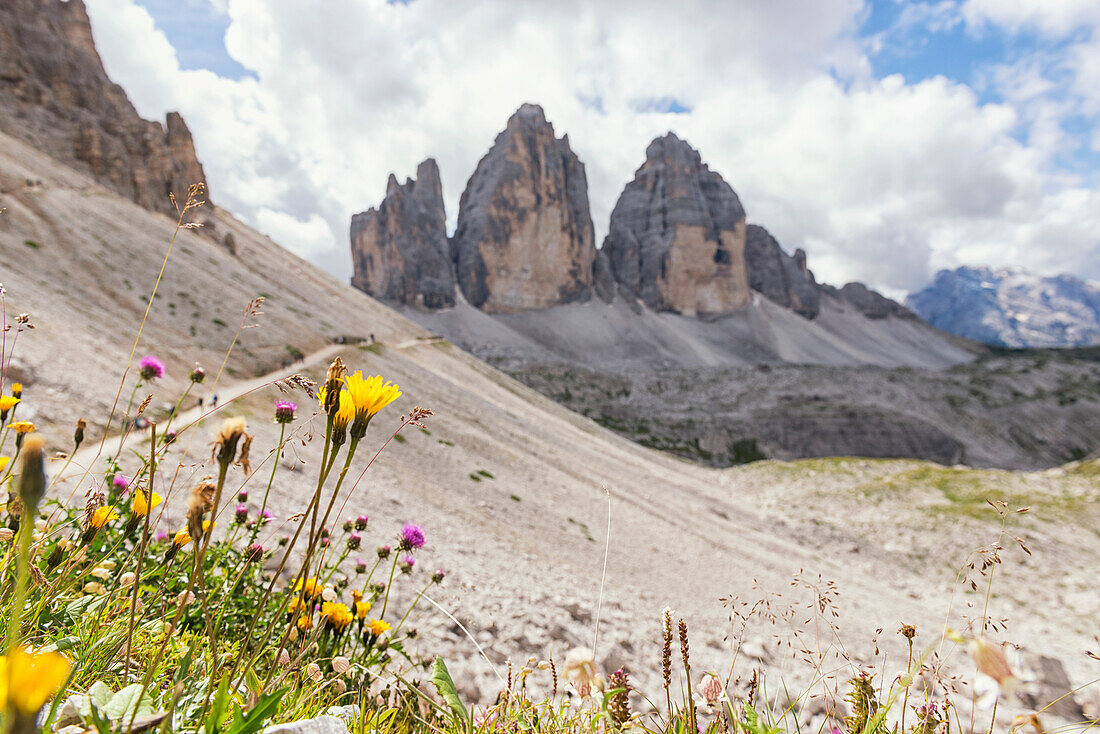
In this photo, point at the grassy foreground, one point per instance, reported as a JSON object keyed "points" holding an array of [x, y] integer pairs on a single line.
{"points": [[118, 617]]}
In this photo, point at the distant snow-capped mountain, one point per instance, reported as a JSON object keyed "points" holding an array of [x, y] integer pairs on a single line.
{"points": [[1011, 307]]}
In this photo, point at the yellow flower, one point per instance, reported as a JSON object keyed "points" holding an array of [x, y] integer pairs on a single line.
{"points": [[345, 410], [294, 604], [22, 427], [141, 505], [339, 616], [361, 609], [181, 538], [377, 626], [309, 587], [305, 624], [7, 402], [35, 677], [17, 389], [370, 395], [104, 515], [4, 463]]}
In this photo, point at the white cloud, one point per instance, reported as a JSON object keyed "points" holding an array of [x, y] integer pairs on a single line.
{"points": [[876, 179]]}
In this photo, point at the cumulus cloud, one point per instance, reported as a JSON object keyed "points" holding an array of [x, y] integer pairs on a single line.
{"points": [[877, 179]]}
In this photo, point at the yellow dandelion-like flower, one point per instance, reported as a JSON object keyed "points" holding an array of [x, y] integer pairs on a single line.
{"points": [[22, 427], [181, 538], [370, 394], [362, 608], [7, 402], [141, 505], [305, 624], [294, 605], [377, 626], [104, 515], [17, 389], [309, 588], [339, 616], [345, 408], [4, 463], [35, 677]]}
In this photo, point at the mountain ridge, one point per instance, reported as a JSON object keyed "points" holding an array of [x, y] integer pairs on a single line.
{"points": [[1011, 307], [679, 242]]}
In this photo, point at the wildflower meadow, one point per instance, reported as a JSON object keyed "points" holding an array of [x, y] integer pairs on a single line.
{"points": [[141, 601]]}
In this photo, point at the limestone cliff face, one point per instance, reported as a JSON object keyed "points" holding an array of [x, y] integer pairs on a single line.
{"points": [[399, 251], [55, 94], [524, 238], [677, 235], [782, 278]]}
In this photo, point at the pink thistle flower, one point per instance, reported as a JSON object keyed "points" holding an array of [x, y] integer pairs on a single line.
{"points": [[151, 368], [284, 411], [412, 537]]}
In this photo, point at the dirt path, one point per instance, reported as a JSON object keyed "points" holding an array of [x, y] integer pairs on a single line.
{"points": [[226, 392]]}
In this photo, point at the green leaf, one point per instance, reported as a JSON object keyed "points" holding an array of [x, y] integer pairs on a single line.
{"points": [[218, 709], [102, 723], [61, 645], [125, 703], [253, 720], [441, 677]]}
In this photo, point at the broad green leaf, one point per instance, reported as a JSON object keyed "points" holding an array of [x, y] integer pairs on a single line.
{"points": [[219, 707], [98, 695], [441, 677], [253, 720], [125, 703]]}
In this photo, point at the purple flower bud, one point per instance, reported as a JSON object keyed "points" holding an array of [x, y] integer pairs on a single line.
{"points": [[160, 535], [347, 526], [242, 496], [198, 374], [384, 552], [353, 541], [406, 564], [265, 516], [361, 522], [437, 577], [284, 411], [151, 368], [120, 482], [360, 565], [241, 514], [412, 537], [254, 553]]}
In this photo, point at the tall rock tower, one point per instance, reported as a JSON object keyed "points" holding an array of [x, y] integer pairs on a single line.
{"points": [[677, 235], [399, 251], [524, 238], [55, 94]]}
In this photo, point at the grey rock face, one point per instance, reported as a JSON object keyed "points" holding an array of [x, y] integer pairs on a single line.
{"points": [[400, 251], [524, 238], [780, 277], [676, 240], [1011, 307], [55, 95], [870, 303]]}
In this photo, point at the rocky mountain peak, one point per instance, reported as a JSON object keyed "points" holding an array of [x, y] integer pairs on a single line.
{"points": [[676, 240], [55, 94], [1011, 307], [399, 250], [525, 238]]}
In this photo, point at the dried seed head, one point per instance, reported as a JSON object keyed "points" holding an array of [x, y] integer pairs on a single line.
{"points": [[333, 380], [78, 435], [227, 438]]}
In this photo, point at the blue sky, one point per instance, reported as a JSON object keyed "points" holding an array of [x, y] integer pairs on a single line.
{"points": [[888, 139]]}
